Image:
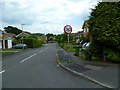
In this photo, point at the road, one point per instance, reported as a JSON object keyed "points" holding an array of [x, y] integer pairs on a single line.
{"points": [[37, 68]]}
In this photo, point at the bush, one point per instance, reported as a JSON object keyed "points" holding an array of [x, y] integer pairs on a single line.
{"points": [[65, 47], [61, 45], [112, 56], [14, 42], [32, 42], [76, 51], [93, 51]]}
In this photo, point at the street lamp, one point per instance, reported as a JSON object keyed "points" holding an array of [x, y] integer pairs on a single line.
{"points": [[22, 32]]}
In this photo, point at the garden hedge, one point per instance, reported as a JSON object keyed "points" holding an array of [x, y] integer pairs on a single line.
{"points": [[32, 42]]}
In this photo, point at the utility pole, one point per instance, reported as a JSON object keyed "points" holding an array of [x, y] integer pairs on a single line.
{"points": [[22, 32]]}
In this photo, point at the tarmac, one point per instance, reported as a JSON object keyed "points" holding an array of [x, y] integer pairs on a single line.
{"points": [[102, 73]]}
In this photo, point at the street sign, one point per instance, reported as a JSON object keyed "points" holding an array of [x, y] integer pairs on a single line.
{"points": [[68, 29]]}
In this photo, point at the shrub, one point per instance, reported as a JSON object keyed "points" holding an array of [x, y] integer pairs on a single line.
{"points": [[14, 42], [61, 45], [112, 56], [76, 51], [94, 50], [32, 42], [65, 47]]}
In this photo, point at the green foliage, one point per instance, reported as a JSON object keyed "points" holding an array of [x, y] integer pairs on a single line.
{"points": [[70, 62], [65, 47], [113, 56], [36, 35], [15, 41], [32, 43], [76, 51], [58, 38], [11, 29], [81, 57], [94, 50], [82, 37], [33, 36], [63, 38], [104, 22], [104, 27], [61, 45]]}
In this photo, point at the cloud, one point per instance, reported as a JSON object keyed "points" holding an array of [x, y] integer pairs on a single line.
{"points": [[46, 15]]}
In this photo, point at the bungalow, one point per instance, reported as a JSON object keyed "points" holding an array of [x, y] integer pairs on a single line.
{"points": [[5, 40], [23, 34]]}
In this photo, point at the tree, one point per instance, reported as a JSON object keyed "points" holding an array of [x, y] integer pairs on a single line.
{"points": [[50, 36], [39, 34], [104, 26], [11, 29], [64, 37], [104, 22]]}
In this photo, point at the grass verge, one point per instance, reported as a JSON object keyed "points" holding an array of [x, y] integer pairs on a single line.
{"points": [[13, 49], [6, 52]]}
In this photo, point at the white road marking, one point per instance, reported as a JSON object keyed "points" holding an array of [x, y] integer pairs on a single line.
{"points": [[41, 51], [57, 65], [33, 55], [2, 71], [28, 57]]}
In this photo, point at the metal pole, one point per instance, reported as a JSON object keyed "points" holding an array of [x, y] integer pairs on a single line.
{"points": [[68, 47], [68, 43]]}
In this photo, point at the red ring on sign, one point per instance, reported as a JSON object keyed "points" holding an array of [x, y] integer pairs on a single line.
{"points": [[70, 29]]}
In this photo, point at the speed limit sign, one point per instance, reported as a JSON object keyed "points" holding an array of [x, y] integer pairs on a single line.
{"points": [[68, 29]]}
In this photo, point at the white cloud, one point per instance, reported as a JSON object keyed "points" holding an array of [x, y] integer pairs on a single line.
{"points": [[45, 15]]}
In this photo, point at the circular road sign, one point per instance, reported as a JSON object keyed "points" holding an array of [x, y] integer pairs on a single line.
{"points": [[68, 29]]}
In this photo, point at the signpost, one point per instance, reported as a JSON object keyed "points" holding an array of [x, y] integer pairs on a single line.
{"points": [[68, 30]]}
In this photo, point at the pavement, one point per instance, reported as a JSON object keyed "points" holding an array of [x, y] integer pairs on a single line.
{"points": [[104, 74]]}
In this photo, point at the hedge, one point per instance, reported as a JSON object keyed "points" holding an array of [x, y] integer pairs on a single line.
{"points": [[32, 42]]}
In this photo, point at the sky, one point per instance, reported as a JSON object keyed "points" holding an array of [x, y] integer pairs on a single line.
{"points": [[45, 16]]}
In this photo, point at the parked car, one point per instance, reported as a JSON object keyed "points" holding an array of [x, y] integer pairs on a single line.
{"points": [[20, 46], [85, 46]]}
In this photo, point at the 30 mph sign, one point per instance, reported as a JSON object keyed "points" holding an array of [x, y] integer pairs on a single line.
{"points": [[68, 29]]}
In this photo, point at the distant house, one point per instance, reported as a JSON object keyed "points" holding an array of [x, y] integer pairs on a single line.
{"points": [[76, 36], [23, 34], [5, 40], [43, 38], [85, 28]]}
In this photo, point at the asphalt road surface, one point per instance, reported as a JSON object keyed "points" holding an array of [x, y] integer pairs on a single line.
{"points": [[37, 68]]}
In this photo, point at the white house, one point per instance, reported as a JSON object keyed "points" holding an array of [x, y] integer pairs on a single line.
{"points": [[5, 40]]}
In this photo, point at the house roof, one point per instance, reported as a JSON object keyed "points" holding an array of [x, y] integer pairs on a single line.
{"points": [[3, 32], [12, 34], [85, 23], [23, 33]]}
